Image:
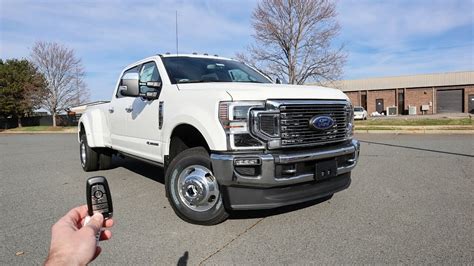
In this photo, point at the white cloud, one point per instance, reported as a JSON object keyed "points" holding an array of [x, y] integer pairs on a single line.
{"points": [[389, 22], [108, 35], [395, 63], [387, 38], [383, 37]]}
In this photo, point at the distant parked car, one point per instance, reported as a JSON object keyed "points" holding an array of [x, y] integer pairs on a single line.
{"points": [[360, 113]]}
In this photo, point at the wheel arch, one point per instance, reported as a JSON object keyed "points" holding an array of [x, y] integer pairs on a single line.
{"points": [[185, 135], [84, 129]]}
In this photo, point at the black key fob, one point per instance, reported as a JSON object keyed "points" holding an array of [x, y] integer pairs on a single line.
{"points": [[99, 198]]}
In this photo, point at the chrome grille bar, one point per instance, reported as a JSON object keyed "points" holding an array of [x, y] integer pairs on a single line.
{"points": [[296, 130]]}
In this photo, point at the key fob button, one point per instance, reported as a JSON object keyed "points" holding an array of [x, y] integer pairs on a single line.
{"points": [[94, 189], [101, 200], [99, 206], [98, 194]]}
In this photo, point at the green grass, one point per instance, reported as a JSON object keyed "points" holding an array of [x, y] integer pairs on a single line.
{"points": [[377, 128], [385, 128], [41, 128], [416, 122]]}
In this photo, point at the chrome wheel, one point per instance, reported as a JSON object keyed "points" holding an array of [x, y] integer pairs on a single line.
{"points": [[83, 153], [197, 188]]}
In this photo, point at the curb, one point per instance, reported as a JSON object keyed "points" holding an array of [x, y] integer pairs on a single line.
{"points": [[38, 132], [420, 131]]}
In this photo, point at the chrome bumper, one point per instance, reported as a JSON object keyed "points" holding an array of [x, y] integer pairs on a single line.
{"points": [[224, 169]]}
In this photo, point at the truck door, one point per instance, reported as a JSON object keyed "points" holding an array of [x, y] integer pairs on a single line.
{"points": [[144, 119], [119, 116]]}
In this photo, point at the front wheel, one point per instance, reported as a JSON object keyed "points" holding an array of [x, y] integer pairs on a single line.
{"points": [[192, 189]]}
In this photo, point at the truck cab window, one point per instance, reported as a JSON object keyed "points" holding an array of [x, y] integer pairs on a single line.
{"points": [[149, 72]]}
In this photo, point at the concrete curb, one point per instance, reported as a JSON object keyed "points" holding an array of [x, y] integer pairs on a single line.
{"points": [[37, 132], [420, 131]]}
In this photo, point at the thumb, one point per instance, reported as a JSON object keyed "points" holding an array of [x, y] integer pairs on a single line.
{"points": [[95, 222]]}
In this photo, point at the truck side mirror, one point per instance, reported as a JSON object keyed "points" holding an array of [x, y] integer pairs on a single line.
{"points": [[129, 85], [153, 84], [154, 90]]}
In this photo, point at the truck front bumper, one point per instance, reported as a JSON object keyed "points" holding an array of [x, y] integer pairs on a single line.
{"points": [[270, 180]]}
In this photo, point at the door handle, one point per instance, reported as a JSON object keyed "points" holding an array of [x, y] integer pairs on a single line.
{"points": [[129, 109], [111, 110]]}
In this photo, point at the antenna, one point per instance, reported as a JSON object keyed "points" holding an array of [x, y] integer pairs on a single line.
{"points": [[176, 32]]}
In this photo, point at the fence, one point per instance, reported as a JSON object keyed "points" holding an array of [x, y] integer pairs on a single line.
{"points": [[61, 120]]}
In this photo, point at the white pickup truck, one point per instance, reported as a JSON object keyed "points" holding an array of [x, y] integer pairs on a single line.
{"points": [[227, 136]]}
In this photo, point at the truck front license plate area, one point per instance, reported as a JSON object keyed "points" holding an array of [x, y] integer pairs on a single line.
{"points": [[325, 169]]}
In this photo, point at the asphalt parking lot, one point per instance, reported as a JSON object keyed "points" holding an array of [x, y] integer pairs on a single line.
{"points": [[411, 201]]}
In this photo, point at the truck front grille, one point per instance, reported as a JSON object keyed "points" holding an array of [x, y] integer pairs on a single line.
{"points": [[295, 125]]}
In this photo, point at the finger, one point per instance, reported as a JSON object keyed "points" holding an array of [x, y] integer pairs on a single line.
{"points": [[108, 223], [95, 223], [82, 211], [78, 213], [105, 235], [74, 216]]}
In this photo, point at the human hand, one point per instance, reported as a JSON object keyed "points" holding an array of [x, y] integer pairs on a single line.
{"points": [[72, 242]]}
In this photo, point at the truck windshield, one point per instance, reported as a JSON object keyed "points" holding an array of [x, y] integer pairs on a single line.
{"points": [[193, 69]]}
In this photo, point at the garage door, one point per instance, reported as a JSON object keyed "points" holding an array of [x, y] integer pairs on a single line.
{"points": [[449, 101]]}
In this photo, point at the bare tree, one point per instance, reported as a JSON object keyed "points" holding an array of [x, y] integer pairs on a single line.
{"points": [[293, 40], [64, 76]]}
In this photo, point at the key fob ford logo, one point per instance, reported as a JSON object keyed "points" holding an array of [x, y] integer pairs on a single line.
{"points": [[321, 122]]}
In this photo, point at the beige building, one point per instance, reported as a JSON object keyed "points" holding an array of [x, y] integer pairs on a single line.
{"points": [[421, 94]]}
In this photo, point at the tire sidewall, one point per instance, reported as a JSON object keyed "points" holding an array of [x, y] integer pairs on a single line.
{"points": [[182, 161], [83, 143], [91, 162]]}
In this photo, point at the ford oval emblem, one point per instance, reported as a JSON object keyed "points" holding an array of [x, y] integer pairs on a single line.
{"points": [[322, 122]]}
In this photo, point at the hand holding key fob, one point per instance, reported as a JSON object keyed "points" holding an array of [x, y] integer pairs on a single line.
{"points": [[99, 198]]}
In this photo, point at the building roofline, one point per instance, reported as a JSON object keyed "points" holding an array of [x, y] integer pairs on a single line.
{"points": [[408, 81], [411, 75]]}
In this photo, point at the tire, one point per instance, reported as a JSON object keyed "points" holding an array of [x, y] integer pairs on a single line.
{"points": [[105, 159], [187, 173], [89, 157]]}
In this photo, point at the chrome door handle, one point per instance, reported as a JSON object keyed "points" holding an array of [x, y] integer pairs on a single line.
{"points": [[129, 109], [111, 110]]}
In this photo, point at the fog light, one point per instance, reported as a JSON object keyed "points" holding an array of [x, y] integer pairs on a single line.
{"points": [[247, 161]]}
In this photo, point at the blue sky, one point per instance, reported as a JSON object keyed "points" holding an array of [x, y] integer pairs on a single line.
{"points": [[382, 38]]}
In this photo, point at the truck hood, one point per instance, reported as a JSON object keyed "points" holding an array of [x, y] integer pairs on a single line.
{"points": [[255, 91]]}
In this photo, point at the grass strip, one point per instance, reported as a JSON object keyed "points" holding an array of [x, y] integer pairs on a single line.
{"points": [[41, 128], [416, 122]]}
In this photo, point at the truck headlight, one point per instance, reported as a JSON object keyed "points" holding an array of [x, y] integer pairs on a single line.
{"points": [[234, 117], [350, 120]]}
